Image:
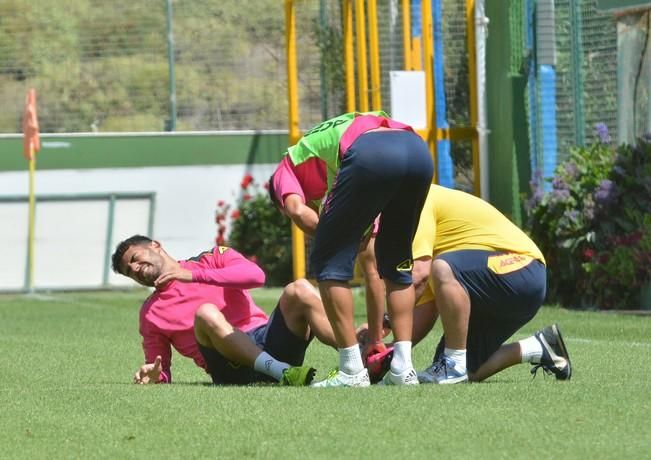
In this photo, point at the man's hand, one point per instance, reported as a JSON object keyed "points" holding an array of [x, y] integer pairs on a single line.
{"points": [[178, 273], [149, 373]]}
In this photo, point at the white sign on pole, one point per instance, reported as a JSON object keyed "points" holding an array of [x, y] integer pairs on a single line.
{"points": [[408, 103]]}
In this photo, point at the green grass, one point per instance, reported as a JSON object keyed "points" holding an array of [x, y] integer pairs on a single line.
{"points": [[66, 363]]}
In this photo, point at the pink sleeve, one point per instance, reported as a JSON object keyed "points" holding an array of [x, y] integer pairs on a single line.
{"points": [[154, 344], [230, 269], [285, 181], [376, 226]]}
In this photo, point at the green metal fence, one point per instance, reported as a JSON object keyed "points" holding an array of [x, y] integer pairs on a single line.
{"points": [[586, 45]]}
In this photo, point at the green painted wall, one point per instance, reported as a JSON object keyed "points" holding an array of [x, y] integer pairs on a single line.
{"points": [[120, 151], [507, 117]]}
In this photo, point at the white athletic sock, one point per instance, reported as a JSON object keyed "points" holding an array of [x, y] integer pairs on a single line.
{"points": [[350, 360], [530, 350], [266, 364], [458, 356], [401, 357]]}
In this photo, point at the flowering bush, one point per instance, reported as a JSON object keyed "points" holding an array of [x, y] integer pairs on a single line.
{"points": [[258, 231], [594, 226]]}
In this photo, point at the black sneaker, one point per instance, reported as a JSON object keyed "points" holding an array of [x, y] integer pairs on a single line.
{"points": [[555, 359]]}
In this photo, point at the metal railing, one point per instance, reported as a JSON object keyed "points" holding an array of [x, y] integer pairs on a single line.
{"points": [[112, 199]]}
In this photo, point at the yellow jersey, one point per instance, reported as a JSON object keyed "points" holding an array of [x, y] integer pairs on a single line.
{"points": [[452, 220]]}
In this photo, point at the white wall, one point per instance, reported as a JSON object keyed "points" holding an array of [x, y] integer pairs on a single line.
{"points": [[70, 237]]}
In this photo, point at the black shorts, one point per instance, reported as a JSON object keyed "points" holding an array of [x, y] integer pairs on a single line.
{"points": [[502, 300], [274, 337], [387, 172]]}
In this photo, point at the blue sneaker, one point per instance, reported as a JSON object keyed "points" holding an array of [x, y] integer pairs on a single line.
{"points": [[443, 372]]}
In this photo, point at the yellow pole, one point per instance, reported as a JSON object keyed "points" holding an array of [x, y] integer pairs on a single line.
{"points": [[298, 239], [472, 81], [430, 97], [360, 20], [349, 61], [31, 224], [376, 93], [406, 33]]}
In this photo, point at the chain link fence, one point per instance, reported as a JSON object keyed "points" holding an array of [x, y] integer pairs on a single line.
{"points": [[109, 67], [106, 66], [586, 44]]}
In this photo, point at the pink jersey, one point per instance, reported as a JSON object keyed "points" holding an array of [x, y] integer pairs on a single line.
{"points": [[309, 180], [220, 277], [367, 123]]}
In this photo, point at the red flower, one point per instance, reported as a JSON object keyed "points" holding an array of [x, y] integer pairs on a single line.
{"points": [[588, 254], [221, 203], [246, 181], [235, 214], [246, 197]]}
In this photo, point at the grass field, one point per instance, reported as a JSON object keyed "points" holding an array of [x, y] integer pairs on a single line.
{"points": [[66, 363]]}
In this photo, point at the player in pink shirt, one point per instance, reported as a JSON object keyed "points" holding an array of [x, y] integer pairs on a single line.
{"points": [[202, 308]]}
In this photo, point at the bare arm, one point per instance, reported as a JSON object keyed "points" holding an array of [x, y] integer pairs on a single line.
{"points": [[301, 214]]}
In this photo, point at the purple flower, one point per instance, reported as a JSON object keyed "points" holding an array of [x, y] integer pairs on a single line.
{"points": [[534, 200], [588, 208], [605, 192], [602, 132], [558, 183], [571, 215], [560, 194], [619, 170], [571, 169]]}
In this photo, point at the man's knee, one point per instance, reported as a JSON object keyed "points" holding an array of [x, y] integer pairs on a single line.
{"points": [[209, 318], [299, 292], [441, 272]]}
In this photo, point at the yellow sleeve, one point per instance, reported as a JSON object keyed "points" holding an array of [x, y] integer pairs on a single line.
{"points": [[428, 295], [425, 238]]}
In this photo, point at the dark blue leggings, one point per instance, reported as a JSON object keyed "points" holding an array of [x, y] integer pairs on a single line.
{"points": [[387, 172]]}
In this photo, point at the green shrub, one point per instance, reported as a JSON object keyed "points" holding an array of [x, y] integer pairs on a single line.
{"points": [[258, 231], [594, 225]]}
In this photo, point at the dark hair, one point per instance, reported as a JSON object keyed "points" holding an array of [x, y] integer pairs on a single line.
{"points": [[272, 192], [122, 247]]}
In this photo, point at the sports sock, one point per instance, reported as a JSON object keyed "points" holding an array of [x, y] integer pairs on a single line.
{"points": [[530, 350], [266, 364], [350, 360], [401, 357], [458, 356]]}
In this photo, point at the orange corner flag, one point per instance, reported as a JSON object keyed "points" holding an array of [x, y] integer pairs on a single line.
{"points": [[31, 137]]}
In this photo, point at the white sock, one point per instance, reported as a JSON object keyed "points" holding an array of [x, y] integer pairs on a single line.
{"points": [[350, 360], [401, 357], [530, 350], [458, 356], [266, 364]]}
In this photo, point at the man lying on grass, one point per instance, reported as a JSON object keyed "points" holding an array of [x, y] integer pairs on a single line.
{"points": [[201, 307]]}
